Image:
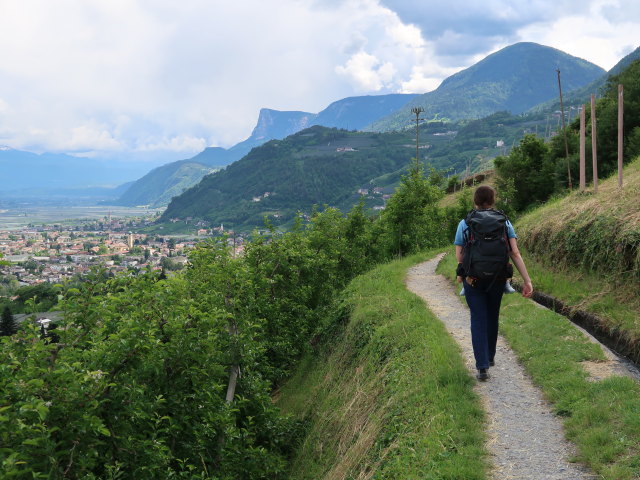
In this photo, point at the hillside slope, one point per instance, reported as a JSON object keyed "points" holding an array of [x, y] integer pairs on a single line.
{"points": [[349, 113], [316, 166], [514, 79], [161, 184], [595, 238], [573, 98], [387, 394], [598, 231]]}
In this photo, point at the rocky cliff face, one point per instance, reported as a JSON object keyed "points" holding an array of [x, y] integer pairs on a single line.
{"points": [[274, 124]]}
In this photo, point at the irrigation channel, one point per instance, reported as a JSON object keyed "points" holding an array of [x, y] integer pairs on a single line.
{"points": [[526, 439]]}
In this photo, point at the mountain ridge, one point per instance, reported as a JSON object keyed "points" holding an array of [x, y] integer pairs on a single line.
{"points": [[514, 79], [271, 124]]}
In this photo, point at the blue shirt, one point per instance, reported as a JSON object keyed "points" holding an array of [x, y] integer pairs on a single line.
{"points": [[462, 226]]}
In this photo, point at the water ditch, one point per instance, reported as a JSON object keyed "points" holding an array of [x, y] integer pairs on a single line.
{"points": [[617, 341]]}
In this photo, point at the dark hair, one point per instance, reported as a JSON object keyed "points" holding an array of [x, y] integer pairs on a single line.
{"points": [[485, 196]]}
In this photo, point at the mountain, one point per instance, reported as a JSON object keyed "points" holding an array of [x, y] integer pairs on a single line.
{"points": [[354, 113], [158, 186], [582, 95], [26, 173], [350, 113], [315, 166], [513, 79]]}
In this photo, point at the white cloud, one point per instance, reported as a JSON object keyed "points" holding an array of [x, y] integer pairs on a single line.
{"points": [[92, 137], [181, 143], [161, 76], [406, 35], [366, 72], [603, 34], [419, 83]]}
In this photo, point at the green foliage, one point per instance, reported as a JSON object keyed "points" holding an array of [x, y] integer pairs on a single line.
{"points": [[288, 176], [138, 385], [386, 393], [534, 171], [412, 220], [135, 386], [7, 324], [607, 117], [40, 297], [170, 265], [525, 175]]}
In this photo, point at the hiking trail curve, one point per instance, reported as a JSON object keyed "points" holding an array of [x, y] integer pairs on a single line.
{"points": [[525, 438]]}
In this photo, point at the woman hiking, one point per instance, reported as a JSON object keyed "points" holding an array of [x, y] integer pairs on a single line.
{"points": [[485, 240]]}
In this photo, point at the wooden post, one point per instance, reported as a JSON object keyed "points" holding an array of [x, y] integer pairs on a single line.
{"points": [[564, 130], [594, 143], [620, 133], [583, 176]]}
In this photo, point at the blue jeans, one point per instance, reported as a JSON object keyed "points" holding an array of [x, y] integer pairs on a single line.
{"points": [[485, 309]]}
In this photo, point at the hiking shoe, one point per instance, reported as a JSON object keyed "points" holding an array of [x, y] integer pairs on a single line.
{"points": [[508, 288], [482, 374]]}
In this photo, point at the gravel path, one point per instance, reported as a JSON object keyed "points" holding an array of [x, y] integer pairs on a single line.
{"points": [[526, 440]]}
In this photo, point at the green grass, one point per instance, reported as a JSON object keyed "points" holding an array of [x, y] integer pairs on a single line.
{"points": [[387, 394], [618, 305], [601, 417]]}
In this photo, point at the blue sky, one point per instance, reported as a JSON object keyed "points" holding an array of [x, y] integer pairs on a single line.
{"points": [[163, 79]]}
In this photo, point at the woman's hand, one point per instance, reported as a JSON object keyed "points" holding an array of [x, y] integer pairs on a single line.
{"points": [[527, 289], [459, 279]]}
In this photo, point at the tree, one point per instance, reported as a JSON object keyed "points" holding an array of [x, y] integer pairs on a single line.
{"points": [[527, 172], [607, 116], [7, 324], [412, 218]]}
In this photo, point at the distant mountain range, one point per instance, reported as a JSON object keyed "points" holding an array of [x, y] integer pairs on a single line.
{"points": [[296, 174], [514, 79], [30, 174], [161, 184]]}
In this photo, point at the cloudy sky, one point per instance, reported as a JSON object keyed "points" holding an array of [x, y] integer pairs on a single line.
{"points": [[164, 79]]}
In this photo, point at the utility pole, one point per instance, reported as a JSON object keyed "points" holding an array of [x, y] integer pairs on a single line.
{"points": [[620, 133], [417, 111], [583, 177], [594, 143], [564, 129]]}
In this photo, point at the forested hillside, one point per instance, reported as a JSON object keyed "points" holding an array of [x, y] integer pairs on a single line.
{"points": [[161, 184], [326, 166], [316, 166], [157, 187], [514, 79]]}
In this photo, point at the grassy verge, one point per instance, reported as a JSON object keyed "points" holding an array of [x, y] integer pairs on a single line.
{"points": [[618, 305], [601, 417], [598, 232], [387, 394]]}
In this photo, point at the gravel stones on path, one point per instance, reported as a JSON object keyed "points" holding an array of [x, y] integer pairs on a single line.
{"points": [[526, 439]]}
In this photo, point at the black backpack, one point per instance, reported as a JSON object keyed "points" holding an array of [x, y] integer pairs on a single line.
{"points": [[486, 245]]}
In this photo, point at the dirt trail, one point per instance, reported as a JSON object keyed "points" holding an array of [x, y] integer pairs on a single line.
{"points": [[526, 439]]}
